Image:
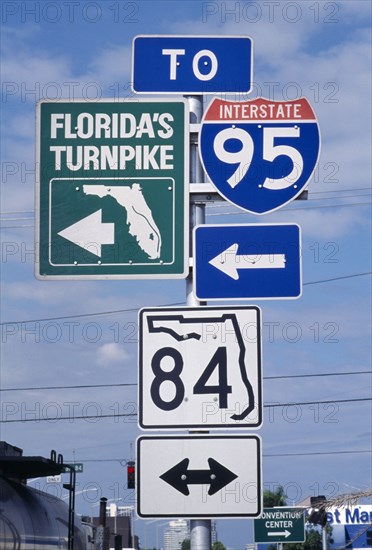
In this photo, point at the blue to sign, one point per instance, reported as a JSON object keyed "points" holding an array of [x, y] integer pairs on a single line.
{"points": [[191, 64], [235, 262]]}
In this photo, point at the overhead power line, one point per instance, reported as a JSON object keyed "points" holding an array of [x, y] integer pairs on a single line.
{"points": [[318, 453], [270, 455], [87, 386], [338, 191], [327, 402], [337, 278], [304, 208], [121, 415], [79, 387], [307, 208], [133, 310], [16, 226], [311, 193], [80, 315], [319, 374]]}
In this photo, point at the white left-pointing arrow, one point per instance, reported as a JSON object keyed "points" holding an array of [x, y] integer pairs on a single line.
{"points": [[90, 233], [285, 534], [229, 261]]}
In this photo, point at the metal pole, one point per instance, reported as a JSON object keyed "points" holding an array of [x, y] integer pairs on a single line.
{"points": [[200, 530], [324, 537], [201, 538], [197, 211]]}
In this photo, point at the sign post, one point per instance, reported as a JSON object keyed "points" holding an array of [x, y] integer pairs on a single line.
{"points": [[112, 196]]}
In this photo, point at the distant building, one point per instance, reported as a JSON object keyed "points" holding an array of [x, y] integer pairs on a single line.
{"points": [[114, 510], [214, 532], [175, 534], [178, 531], [351, 526], [119, 520]]}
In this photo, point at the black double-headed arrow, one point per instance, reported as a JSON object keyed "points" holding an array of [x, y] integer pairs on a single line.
{"points": [[217, 477]]}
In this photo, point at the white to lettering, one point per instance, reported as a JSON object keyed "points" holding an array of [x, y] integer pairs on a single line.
{"points": [[174, 63], [214, 65]]}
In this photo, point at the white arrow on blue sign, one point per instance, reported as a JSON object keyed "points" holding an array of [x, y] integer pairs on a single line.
{"points": [[243, 261], [192, 64]]}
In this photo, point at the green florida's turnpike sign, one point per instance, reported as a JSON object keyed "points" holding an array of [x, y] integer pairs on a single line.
{"points": [[112, 194]]}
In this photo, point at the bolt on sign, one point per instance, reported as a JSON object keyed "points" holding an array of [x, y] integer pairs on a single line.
{"points": [[112, 194]]}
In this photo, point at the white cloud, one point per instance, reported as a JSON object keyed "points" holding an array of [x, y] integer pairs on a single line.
{"points": [[29, 69], [112, 66], [111, 353], [332, 223]]}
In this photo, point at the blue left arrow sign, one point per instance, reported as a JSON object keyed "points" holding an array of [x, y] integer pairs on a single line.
{"points": [[259, 261]]}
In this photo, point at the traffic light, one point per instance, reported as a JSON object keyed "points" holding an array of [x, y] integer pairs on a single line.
{"points": [[131, 474], [317, 513]]}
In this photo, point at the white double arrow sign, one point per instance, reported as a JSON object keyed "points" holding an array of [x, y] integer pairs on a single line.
{"points": [[90, 233], [229, 261]]}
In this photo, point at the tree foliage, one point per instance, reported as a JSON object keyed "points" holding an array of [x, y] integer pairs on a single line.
{"points": [[274, 498], [313, 542], [186, 545]]}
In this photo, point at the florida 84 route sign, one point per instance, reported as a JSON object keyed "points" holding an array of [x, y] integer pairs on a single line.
{"points": [[199, 476], [259, 154], [112, 197], [200, 368]]}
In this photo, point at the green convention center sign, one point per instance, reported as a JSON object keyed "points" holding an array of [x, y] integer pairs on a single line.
{"points": [[112, 194]]}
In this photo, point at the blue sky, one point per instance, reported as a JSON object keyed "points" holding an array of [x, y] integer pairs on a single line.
{"points": [[61, 333]]}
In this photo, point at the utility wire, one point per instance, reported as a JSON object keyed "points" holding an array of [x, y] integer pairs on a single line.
{"points": [[271, 455], [369, 189], [337, 198], [320, 374], [337, 278], [286, 210], [82, 386], [117, 311], [357, 399], [16, 226], [96, 314], [121, 415], [237, 213], [319, 453], [17, 212], [87, 386], [311, 193]]}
